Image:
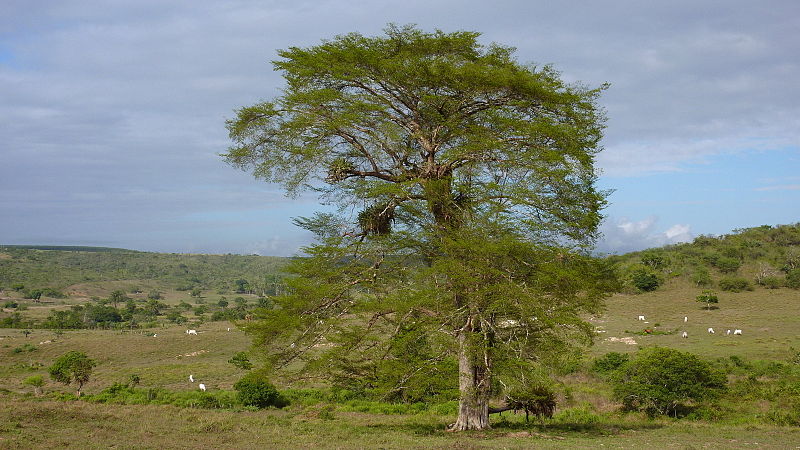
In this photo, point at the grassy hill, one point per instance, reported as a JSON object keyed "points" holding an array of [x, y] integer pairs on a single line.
{"points": [[62, 267], [761, 407]]}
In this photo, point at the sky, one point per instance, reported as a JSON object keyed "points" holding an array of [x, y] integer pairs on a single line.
{"points": [[112, 112]]}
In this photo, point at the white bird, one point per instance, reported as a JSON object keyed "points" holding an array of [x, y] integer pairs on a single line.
{"points": [[191, 379], [685, 334], [711, 331], [202, 387], [685, 319]]}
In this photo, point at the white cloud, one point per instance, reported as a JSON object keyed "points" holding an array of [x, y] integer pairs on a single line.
{"points": [[624, 235]]}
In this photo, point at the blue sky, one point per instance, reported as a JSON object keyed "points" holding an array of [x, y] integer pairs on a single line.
{"points": [[112, 113]]}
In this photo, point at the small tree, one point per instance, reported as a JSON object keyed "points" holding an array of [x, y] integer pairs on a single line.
{"points": [[117, 297], [71, 367], [708, 297], [254, 389], [659, 380], [36, 381]]}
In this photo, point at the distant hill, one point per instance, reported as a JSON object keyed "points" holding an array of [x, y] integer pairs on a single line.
{"points": [[766, 256], [68, 248], [61, 266]]}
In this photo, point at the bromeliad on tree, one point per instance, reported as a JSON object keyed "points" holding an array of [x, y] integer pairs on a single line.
{"points": [[466, 187]]}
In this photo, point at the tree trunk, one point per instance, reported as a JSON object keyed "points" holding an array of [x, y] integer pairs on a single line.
{"points": [[474, 383]]}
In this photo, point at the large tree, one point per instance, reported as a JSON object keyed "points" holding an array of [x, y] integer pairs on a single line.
{"points": [[465, 187]]}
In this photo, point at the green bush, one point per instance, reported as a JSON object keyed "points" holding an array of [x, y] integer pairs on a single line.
{"points": [[644, 280], [662, 380], [609, 362], [735, 284], [727, 264], [771, 282], [701, 277], [793, 279], [254, 389]]}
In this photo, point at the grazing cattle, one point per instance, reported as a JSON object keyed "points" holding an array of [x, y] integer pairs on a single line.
{"points": [[155, 335], [728, 333], [229, 328], [641, 317], [202, 387], [191, 379], [711, 331], [194, 332], [685, 334], [737, 332], [685, 319]]}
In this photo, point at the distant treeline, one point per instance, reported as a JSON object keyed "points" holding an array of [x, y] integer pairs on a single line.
{"points": [[69, 248], [58, 269]]}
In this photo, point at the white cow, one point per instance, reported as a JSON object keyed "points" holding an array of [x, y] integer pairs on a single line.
{"points": [[194, 332], [202, 387], [737, 332], [155, 335], [191, 379], [711, 331], [728, 333], [685, 334], [641, 317], [685, 319]]}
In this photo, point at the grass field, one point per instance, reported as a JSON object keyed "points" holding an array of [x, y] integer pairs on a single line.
{"points": [[588, 418]]}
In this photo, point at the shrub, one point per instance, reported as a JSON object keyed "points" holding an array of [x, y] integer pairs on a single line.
{"points": [[645, 280], [727, 264], [609, 362], [10, 304], [701, 277], [660, 380], [771, 282], [793, 279], [255, 390], [735, 284]]}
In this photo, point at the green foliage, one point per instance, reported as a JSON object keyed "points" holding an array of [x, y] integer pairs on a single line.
{"points": [[26, 348], [34, 380], [701, 277], [644, 280], [708, 297], [10, 304], [466, 186], [661, 380], [655, 260], [771, 282], [254, 389], [241, 361], [72, 367], [609, 363], [735, 284], [727, 264], [793, 279]]}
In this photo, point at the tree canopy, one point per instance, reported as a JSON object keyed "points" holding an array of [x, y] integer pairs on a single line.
{"points": [[465, 187]]}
